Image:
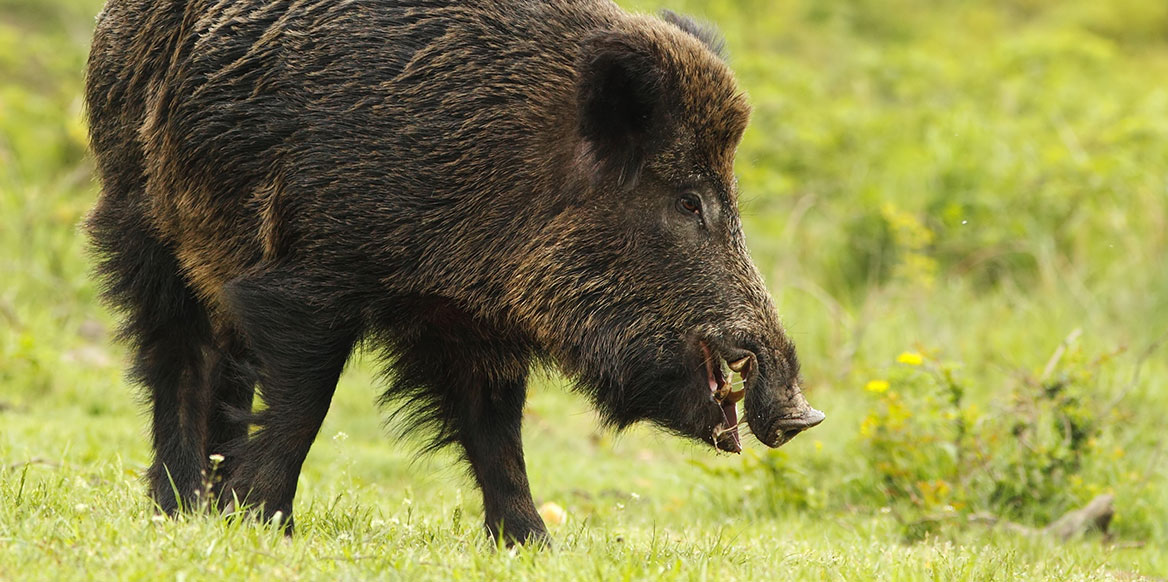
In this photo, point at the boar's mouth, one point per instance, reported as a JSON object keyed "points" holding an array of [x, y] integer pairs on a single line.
{"points": [[718, 374], [779, 425]]}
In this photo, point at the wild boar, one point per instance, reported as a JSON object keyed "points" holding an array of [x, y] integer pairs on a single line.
{"points": [[474, 188]]}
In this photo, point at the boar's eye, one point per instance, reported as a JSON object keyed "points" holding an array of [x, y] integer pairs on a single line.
{"points": [[690, 204]]}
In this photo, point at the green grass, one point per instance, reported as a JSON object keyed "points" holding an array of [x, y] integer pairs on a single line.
{"points": [[978, 183]]}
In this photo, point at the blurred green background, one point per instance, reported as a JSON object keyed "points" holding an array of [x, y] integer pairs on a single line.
{"points": [[960, 207]]}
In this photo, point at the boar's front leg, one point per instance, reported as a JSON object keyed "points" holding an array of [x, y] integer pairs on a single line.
{"points": [[300, 339], [471, 384], [490, 436]]}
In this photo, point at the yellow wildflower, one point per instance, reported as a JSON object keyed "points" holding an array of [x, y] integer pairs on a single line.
{"points": [[877, 386], [911, 358]]}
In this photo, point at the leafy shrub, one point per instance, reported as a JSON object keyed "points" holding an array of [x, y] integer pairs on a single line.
{"points": [[934, 453], [916, 438]]}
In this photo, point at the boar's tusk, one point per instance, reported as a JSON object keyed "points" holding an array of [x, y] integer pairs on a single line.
{"points": [[740, 364]]}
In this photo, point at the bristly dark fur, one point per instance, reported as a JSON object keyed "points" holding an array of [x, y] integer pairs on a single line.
{"points": [[702, 31], [474, 188]]}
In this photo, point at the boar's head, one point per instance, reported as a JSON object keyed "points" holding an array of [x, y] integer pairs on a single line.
{"points": [[641, 288]]}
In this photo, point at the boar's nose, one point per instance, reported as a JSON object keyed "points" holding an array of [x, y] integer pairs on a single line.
{"points": [[777, 414], [786, 428]]}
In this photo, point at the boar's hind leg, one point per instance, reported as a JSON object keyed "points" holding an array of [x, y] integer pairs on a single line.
{"points": [[470, 386], [300, 344], [169, 332]]}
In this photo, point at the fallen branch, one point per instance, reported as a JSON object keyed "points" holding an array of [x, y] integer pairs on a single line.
{"points": [[1095, 516]]}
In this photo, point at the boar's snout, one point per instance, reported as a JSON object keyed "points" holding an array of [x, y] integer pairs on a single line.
{"points": [[775, 407], [785, 429]]}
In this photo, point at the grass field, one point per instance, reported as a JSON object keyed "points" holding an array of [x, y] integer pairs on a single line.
{"points": [[961, 209]]}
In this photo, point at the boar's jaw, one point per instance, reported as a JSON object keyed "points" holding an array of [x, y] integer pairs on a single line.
{"points": [[725, 436], [720, 366]]}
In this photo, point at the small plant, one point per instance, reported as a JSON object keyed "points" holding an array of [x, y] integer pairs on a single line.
{"points": [[1054, 422], [916, 438], [938, 457]]}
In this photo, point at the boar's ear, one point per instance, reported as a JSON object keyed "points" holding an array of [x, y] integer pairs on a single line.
{"points": [[620, 96]]}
